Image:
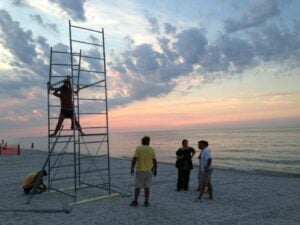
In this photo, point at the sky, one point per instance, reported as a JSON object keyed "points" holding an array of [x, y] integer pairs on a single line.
{"points": [[171, 64]]}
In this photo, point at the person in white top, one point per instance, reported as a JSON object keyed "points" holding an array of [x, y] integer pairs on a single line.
{"points": [[206, 169]]}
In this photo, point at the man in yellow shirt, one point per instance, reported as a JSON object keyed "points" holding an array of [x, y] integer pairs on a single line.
{"points": [[145, 161], [31, 180]]}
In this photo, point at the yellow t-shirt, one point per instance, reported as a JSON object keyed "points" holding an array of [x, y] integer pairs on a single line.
{"points": [[145, 155], [27, 182]]}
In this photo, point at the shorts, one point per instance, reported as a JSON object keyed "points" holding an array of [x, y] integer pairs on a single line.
{"points": [[143, 179], [206, 177], [68, 113]]}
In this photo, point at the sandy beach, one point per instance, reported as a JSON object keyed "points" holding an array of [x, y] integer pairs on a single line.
{"points": [[239, 198]]}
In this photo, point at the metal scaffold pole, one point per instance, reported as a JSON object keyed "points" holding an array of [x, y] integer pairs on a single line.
{"points": [[78, 157]]}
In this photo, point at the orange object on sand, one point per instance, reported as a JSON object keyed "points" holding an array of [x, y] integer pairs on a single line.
{"points": [[10, 150]]}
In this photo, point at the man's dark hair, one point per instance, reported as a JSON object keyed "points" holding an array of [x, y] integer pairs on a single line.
{"points": [[146, 140], [205, 143], [184, 140], [43, 172]]}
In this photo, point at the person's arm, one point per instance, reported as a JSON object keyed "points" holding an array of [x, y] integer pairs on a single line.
{"points": [[207, 164], [154, 167], [55, 93], [133, 162], [178, 155], [193, 152]]}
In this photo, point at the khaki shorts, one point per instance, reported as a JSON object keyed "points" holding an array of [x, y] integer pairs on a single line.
{"points": [[206, 177], [143, 179]]}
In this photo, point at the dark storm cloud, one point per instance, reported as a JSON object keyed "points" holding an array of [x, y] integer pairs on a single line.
{"points": [[74, 8], [258, 13]]}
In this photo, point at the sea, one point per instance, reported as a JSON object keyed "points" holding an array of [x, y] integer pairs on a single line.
{"points": [[275, 150]]}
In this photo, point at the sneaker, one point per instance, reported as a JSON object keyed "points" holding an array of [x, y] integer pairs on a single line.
{"points": [[134, 203], [146, 204]]}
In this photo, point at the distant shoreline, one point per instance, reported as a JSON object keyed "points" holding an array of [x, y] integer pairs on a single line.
{"points": [[248, 171]]}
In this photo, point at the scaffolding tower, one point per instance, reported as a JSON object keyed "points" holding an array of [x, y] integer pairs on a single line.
{"points": [[79, 161]]}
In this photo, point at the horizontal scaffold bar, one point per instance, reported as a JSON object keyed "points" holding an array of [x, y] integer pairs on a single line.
{"points": [[86, 56], [91, 84], [56, 76], [88, 43], [90, 71], [104, 127], [60, 52], [61, 64], [90, 99], [86, 29], [83, 157], [92, 113], [91, 142], [96, 134]]}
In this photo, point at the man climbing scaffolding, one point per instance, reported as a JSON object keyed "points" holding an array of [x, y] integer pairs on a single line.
{"points": [[64, 93]]}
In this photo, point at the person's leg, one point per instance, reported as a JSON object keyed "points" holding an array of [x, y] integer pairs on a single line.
{"points": [[180, 179], [209, 187], [210, 190], [136, 194], [147, 193], [147, 184], [138, 185], [203, 185], [199, 179], [59, 123], [79, 127], [27, 190], [186, 179]]}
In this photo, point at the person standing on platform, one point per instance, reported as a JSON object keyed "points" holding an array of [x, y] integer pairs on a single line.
{"points": [[64, 93], [145, 161], [184, 165]]}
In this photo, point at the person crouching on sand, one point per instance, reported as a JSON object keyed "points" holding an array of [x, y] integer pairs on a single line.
{"points": [[35, 179], [206, 170], [145, 160]]}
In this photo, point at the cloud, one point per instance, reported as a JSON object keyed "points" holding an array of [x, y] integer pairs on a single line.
{"points": [[274, 43], [169, 28], [154, 26], [258, 13], [146, 70], [190, 45], [38, 19], [74, 8], [19, 42], [19, 2]]}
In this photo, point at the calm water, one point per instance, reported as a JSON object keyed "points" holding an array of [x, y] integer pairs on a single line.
{"points": [[275, 150]]}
